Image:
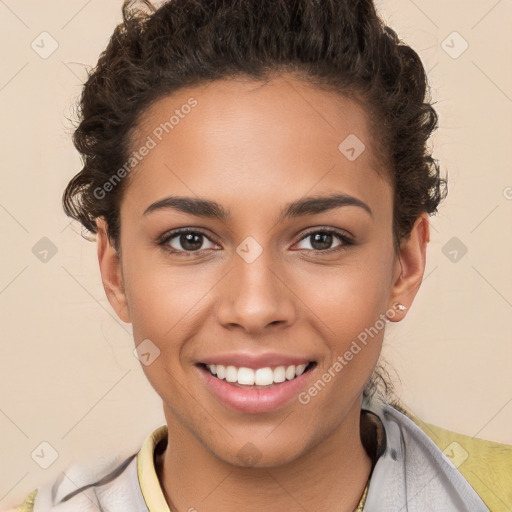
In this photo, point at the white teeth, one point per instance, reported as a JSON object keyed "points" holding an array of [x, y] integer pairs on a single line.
{"points": [[259, 377], [279, 374], [246, 376], [221, 371], [231, 374], [290, 372], [263, 377], [299, 370]]}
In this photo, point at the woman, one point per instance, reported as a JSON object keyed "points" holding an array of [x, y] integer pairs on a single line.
{"points": [[258, 178]]}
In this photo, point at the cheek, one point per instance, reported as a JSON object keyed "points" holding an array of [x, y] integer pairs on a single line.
{"points": [[349, 304], [163, 299], [352, 295], [162, 303]]}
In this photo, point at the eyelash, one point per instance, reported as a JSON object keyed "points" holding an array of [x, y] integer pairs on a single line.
{"points": [[343, 237]]}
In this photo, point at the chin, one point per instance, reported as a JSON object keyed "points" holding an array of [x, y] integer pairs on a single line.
{"points": [[260, 451]]}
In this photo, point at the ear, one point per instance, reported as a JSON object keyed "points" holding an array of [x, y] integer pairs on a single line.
{"points": [[409, 267], [111, 272]]}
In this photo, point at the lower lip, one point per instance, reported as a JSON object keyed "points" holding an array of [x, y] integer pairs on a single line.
{"points": [[254, 400]]}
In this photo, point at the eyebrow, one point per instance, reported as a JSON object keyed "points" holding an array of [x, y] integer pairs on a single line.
{"points": [[305, 206]]}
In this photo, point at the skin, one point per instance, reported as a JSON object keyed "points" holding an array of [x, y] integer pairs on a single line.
{"points": [[254, 148]]}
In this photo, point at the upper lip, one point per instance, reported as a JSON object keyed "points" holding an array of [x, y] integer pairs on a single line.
{"points": [[255, 361]]}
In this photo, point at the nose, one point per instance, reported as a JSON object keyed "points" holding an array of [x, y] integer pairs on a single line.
{"points": [[255, 295]]}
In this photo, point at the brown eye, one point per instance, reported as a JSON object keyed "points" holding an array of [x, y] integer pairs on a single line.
{"points": [[322, 240], [190, 241], [186, 241]]}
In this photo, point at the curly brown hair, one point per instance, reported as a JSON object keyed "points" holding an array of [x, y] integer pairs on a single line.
{"points": [[335, 45]]}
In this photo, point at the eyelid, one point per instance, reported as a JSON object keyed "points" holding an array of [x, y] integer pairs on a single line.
{"points": [[345, 238], [179, 231], [325, 229], [169, 235]]}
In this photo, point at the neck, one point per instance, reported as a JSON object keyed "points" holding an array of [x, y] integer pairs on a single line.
{"points": [[330, 476]]}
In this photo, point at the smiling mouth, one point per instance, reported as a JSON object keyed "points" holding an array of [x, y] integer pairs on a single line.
{"points": [[260, 378]]}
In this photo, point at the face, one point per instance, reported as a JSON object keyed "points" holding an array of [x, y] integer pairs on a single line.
{"points": [[250, 238]]}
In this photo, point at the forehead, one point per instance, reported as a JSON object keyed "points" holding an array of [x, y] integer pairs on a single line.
{"points": [[253, 139]]}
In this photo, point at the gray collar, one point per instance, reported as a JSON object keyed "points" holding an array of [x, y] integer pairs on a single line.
{"points": [[413, 474]]}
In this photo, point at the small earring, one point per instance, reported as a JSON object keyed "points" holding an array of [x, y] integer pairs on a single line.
{"points": [[400, 307]]}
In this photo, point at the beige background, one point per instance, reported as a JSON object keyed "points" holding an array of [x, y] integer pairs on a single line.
{"points": [[69, 376]]}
